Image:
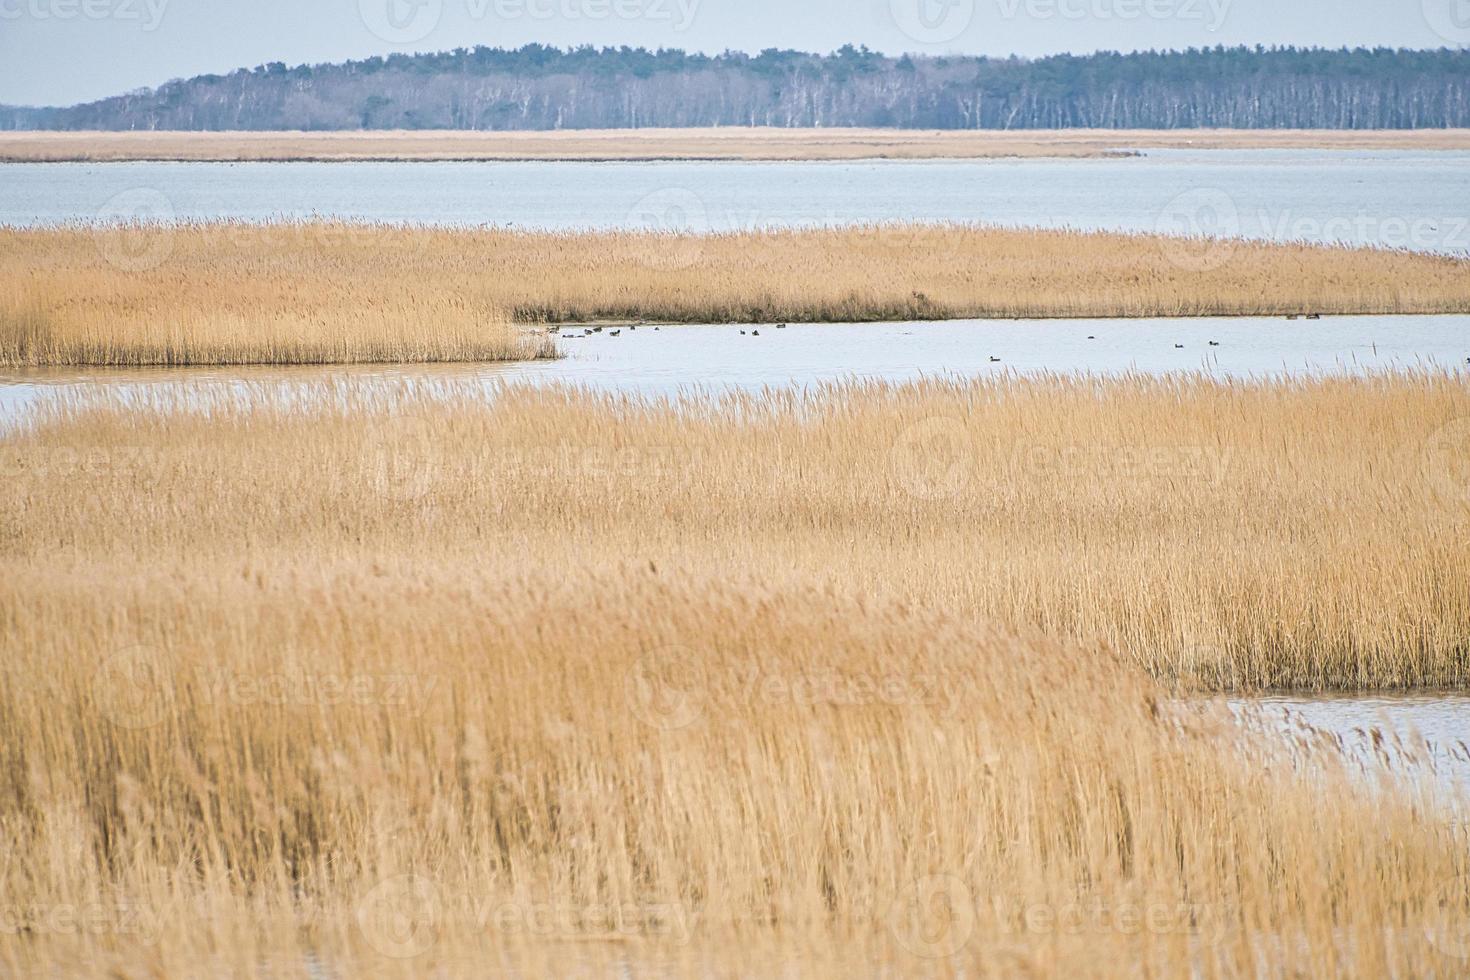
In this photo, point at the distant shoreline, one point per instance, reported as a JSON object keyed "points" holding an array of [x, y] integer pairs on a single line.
{"points": [[683, 145]]}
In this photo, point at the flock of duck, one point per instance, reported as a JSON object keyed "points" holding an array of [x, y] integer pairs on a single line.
{"points": [[590, 331], [573, 333], [754, 332]]}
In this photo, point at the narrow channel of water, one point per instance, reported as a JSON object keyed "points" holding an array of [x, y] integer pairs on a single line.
{"points": [[671, 360]]}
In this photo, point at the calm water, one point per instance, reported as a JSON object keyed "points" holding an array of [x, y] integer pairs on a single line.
{"points": [[1417, 200], [1428, 733], [719, 358]]}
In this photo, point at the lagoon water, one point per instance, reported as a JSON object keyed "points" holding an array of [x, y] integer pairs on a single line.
{"points": [[1418, 200], [677, 359]]}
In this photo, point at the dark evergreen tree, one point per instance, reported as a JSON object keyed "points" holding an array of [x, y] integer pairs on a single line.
{"points": [[537, 87]]}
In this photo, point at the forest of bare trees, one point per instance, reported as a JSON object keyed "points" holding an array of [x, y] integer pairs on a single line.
{"points": [[537, 87]]}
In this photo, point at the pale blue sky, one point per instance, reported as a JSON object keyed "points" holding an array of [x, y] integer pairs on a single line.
{"points": [[63, 51]]}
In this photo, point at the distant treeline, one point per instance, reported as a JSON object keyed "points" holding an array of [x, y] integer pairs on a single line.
{"points": [[537, 87]]}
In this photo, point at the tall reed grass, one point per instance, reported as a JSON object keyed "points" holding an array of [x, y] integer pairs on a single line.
{"points": [[136, 295], [1231, 535], [287, 293], [421, 682]]}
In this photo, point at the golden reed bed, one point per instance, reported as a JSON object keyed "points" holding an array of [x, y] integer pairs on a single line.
{"points": [[133, 295], [732, 143], [421, 682], [293, 293]]}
